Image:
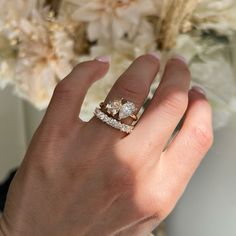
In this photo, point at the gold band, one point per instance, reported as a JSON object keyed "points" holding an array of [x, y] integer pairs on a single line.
{"points": [[134, 117]]}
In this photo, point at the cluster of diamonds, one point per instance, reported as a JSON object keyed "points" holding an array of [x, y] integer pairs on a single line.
{"points": [[113, 122], [121, 107]]}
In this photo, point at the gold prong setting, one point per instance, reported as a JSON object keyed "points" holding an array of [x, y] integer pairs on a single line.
{"points": [[120, 109]]}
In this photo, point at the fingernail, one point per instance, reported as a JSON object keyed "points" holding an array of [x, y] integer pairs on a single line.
{"points": [[199, 90], [105, 59], [157, 55], [181, 58]]}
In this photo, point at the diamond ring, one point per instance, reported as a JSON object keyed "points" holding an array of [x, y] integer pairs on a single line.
{"points": [[119, 109], [114, 111], [113, 122]]}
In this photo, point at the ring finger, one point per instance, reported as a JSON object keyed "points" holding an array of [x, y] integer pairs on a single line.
{"points": [[133, 86]]}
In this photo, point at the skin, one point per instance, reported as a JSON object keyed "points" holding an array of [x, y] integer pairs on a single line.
{"points": [[90, 179]]}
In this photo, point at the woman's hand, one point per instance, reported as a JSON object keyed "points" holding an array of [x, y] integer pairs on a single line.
{"points": [[90, 179]]}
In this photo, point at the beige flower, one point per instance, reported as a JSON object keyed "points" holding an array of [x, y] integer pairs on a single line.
{"points": [[218, 15], [44, 52], [212, 68], [7, 62], [111, 19]]}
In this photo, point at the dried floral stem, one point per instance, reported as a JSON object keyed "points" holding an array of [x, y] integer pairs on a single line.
{"points": [[80, 38], [54, 5], [175, 12]]}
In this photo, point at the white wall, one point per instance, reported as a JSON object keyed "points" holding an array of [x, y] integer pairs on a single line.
{"points": [[12, 132], [17, 123], [208, 207]]}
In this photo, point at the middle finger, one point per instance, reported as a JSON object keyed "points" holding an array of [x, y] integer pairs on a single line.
{"points": [[167, 107]]}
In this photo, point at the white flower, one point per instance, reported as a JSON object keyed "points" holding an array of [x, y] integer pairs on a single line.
{"points": [[111, 19], [44, 53], [218, 15], [215, 74], [212, 68], [7, 62]]}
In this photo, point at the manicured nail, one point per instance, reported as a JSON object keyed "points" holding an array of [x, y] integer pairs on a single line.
{"points": [[157, 55], [105, 59], [199, 90], [181, 58]]}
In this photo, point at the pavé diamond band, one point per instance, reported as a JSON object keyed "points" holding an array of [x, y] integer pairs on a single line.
{"points": [[113, 122]]}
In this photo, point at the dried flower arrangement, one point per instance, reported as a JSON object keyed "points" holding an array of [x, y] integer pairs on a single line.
{"points": [[41, 41]]}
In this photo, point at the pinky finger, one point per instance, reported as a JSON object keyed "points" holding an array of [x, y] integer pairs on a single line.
{"points": [[191, 144]]}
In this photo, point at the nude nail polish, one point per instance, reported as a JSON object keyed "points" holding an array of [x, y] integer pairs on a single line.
{"points": [[199, 90], [157, 55], [105, 59], [181, 58]]}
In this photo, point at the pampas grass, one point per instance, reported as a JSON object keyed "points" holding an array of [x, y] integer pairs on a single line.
{"points": [[175, 13]]}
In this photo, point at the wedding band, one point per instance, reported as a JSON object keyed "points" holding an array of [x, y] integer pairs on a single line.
{"points": [[119, 109], [113, 122], [114, 111]]}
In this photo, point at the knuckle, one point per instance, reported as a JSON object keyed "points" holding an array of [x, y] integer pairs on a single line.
{"points": [[131, 89], [47, 153], [160, 205], [41, 166], [163, 211], [63, 90], [202, 138], [174, 101], [50, 132]]}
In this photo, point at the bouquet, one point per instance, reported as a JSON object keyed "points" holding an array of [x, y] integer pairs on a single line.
{"points": [[42, 40]]}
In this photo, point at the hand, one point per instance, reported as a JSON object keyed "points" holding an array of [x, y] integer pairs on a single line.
{"points": [[89, 179]]}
